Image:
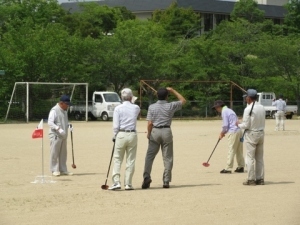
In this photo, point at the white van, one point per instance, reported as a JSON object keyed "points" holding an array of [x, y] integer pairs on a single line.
{"points": [[102, 106]]}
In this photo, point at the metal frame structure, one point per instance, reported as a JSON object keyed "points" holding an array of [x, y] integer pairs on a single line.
{"points": [[232, 85]]}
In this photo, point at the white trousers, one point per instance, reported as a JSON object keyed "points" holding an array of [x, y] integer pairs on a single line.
{"points": [[280, 117], [58, 154], [254, 142], [126, 142]]}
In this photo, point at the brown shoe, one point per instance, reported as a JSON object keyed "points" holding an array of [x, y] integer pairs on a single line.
{"points": [[250, 182], [260, 182]]}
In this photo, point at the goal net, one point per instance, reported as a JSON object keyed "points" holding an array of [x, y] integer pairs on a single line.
{"points": [[32, 101]]}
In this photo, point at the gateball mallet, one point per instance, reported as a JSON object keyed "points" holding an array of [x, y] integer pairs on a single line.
{"points": [[206, 164], [105, 186], [73, 165]]}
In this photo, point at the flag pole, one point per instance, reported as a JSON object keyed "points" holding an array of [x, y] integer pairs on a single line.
{"points": [[39, 133], [43, 177]]}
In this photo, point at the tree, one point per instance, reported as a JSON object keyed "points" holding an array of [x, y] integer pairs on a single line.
{"points": [[178, 22], [292, 18], [14, 13], [95, 20], [134, 52], [248, 10], [277, 63]]}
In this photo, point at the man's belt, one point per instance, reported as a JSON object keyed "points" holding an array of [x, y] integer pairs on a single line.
{"points": [[127, 131], [160, 127]]}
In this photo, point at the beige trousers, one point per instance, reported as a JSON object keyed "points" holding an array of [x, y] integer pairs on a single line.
{"points": [[126, 142], [235, 149], [254, 142]]}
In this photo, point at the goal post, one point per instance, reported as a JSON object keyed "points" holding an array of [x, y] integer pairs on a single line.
{"points": [[32, 101]]}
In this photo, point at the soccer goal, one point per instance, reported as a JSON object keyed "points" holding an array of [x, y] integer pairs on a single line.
{"points": [[32, 101]]}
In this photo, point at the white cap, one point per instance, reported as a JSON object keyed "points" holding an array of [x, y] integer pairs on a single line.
{"points": [[126, 92]]}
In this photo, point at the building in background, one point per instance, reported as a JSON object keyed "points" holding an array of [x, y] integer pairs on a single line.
{"points": [[265, 2], [212, 12]]}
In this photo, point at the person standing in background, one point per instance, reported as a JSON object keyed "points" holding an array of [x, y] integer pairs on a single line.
{"points": [[280, 112]]}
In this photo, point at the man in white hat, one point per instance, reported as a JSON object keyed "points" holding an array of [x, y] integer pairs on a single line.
{"points": [[125, 138]]}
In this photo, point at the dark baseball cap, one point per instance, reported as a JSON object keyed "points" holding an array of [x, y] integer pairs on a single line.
{"points": [[65, 99], [218, 103], [250, 93]]}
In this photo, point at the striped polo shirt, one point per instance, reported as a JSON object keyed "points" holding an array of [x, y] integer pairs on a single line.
{"points": [[161, 112]]}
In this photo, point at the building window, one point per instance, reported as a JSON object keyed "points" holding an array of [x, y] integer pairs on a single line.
{"points": [[208, 22], [277, 21], [219, 18]]}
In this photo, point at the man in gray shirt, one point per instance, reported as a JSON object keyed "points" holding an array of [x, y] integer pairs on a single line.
{"points": [[159, 118]]}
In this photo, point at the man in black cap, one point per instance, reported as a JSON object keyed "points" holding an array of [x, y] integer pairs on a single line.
{"points": [[234, 135], [159, 118], [280, 112], [58, 134], [254, 124]]}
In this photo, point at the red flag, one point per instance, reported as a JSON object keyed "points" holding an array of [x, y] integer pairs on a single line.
{"points": [[38, 133]]}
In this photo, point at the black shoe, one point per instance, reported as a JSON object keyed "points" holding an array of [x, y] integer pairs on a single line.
{"points": [[239, 170], [146, 183], [260, 182], [225, 171], [166, 185], [250, 182]]}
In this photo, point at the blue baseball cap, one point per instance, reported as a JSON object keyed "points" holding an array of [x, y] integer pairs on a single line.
{"points": [[250, 93], [65, 99]]}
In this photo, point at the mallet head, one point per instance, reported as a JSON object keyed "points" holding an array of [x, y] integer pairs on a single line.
{"points": [[104, 187], [205, 164], [73, 166]]}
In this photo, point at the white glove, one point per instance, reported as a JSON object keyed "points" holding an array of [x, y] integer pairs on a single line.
{"points": [[71, 127], [61, 131]]}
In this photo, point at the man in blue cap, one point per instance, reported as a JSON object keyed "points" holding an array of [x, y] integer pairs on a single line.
{"points": [[254, 124], [58, 134]]}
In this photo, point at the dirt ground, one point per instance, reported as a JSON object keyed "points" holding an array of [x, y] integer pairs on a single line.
{"points": [[197, 195]]}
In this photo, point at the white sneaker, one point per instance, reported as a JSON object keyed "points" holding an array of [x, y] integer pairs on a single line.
{"points": [[115, 186], [128, 187], [56, 174], [66, 173]]}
